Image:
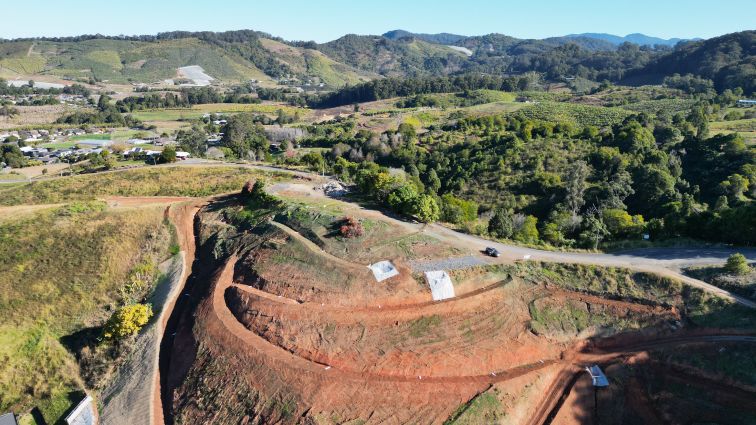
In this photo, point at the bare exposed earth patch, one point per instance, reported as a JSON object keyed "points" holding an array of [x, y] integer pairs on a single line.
{"points": [[284, 323]]}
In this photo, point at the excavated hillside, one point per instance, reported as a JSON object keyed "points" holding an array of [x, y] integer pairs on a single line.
{"points": [[282, 322]]}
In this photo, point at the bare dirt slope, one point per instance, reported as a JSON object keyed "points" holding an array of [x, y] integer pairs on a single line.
{"points": [[280, 326]]}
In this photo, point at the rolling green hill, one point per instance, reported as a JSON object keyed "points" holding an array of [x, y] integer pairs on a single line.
{"points": [[314, 63], [122, 61], [729, 61], [403, 57]]}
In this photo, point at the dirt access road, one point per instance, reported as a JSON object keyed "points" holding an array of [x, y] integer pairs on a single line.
{"points": [[663, 261]]}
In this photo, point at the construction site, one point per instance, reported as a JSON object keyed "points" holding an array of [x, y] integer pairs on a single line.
{"points": [[284, 319]]}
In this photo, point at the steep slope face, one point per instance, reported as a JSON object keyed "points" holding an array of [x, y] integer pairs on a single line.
{"points": [[729, 61], [223, 372], [283, 323]]}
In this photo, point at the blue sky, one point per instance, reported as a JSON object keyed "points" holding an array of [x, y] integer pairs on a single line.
{"points": [[329, 19]]}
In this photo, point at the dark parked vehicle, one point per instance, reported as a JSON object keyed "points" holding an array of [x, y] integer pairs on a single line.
{"points": [[493, 252]]}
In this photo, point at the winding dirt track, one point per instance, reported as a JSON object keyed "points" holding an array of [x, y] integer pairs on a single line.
{"points": [[254, 341]]}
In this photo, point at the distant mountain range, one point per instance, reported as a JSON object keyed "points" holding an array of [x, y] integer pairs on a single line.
{"points": [[615, 40], [237, 56], [636, 38]]}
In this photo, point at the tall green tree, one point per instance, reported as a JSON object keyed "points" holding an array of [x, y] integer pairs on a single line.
{"points": [[575, 185], [244, 136], [500, 225]]}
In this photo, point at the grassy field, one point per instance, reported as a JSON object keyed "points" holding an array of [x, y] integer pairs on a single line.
{"points": [[661, 106], [160, 181], [198, 110], [744, 127], [484, 408], [744, 285], [60, 272], [105, 136], [34, 116], [58, 145], [494, 108], [14, 175], [581, 115], [558, 319]]}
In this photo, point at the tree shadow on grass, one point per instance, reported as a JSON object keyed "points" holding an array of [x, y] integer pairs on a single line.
{"points": [[83, 338], [39, 419]]}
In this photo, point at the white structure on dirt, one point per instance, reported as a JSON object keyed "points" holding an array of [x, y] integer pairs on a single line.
{"points": [[383, 270], [83, 414], [440, 284]]}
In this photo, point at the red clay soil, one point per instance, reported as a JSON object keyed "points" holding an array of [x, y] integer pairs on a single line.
{"points": [[554, 395], [320, 371], [475, 336], [578, 405], [318, 366], [311, 275], [266, 341], [311, 387]]}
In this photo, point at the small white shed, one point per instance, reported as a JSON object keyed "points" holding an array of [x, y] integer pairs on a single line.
{"points": [[440, 284]]}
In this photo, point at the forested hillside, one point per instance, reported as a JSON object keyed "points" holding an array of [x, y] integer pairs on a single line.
{"points": [[566, 183], [729, 61]]}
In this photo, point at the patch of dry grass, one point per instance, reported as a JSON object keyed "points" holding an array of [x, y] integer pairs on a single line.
{"points": [[61, 269], [152, 181]]}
